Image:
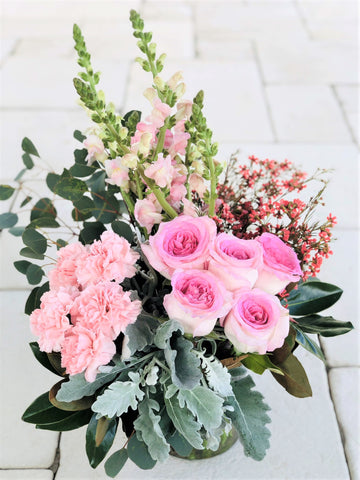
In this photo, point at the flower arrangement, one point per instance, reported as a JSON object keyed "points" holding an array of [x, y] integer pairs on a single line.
{"points": [[170, 282]]}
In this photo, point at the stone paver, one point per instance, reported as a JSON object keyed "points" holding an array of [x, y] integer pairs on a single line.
{"points": [[349, 96], [26, 475], [21, 445], [306, 114], [345, 391]]}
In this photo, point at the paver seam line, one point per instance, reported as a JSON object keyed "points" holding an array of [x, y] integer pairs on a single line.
{"points": [[195, 31], [263, 89], [343, 112], [56, 463], [11, 53], [303, 20], [342, 434]]}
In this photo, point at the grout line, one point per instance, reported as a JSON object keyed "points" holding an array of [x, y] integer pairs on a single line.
{"points": [[195, 32], [303, 20], [343, 111], [56, 463]]}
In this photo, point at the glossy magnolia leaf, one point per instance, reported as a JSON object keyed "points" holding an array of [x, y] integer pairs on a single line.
{"points": [[204, 404], [119, 396], [181, 446], [115, 462], [34, 274], [6, 191], [217, 376], [141, 333], [28, 161], [91, 231], [35, 241], [312, 297], [294, 380], [139, 454], [42, 411], [42, 357], [100, 436], [324, 326], [184, 422], [148, 424], [55, 360], [69, 187], [8, 220], [248, 415], [28, 147], [74, 406], [73, 421], [259, 363], [123, 229], [309, 345]]}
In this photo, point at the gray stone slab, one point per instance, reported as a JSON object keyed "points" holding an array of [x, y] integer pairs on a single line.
{"points": [[345, 392], [304, 432], [33, 474], [23, 379]]}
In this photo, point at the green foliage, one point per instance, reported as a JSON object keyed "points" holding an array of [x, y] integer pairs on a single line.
{"points": [[294, 378], [42, 357], [8, 220], [51, 180], [106, 207], [139, 454], [324, 326], [43, 214], [69, 187], [91, 231], [6, 191], [141, 333], [309, 345], [83, 209], [147, 424], [100, 436], [217, 375], [34, 274], [34, 298], [79, 136], [312, 297], [123, 229], [35, 241], [116, 462], [28, 147], [28, 161], [16, 231], [204, 404], [249, 416], [260, 363], [181, 446], [119, 396], [26, 200]]}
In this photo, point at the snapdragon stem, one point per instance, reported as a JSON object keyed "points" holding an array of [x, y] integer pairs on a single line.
{"points": [[158, 194], [213, 181], [128, 201], [160, 142], [138, 185]]}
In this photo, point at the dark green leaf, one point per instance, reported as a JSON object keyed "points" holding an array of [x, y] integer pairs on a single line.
{"points": [[43, 208], [139, 454], [259, 363], [28, 147], [8, 220], [130, 120], [123, 229], [83, 209], [28, 161], [34, 298], [42, 411], [294, 380], [44, 222], [91, 231], [60, 243], [115, 462], [69, 187], [25, 201], [71, 422], [78, 170], [80, 156], [309, 345], [34, 274], [27, 252], [97, 448], [96, 183], [324, 326], [17, 231], [312, 297], [6, 191], [51, 180], [35, 241], [181, 446], [106, 207], [42, 357], [75, 406], [79, 136], [22, 265], [20, 174]]}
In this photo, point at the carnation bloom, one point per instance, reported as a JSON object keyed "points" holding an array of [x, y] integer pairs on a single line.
{"points": [[95, 148], [281, 265], [257, 323], [147, 213], [181, 243], [50, 322], [236, 262], [105, 307], [110, 258], [84, 350], [197, 300], [161, 171], [117, 172], [64, 274]]}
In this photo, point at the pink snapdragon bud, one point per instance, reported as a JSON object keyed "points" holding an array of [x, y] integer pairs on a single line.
{"points": [[118, 173], [159, 113], [147, 213], [95, 148], [197, 184], [161, 171]]}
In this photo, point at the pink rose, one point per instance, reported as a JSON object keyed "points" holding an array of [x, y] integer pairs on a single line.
{"points": [[236, 262], [197, 300], [147, 213], [83, 350], [257, 323], [64, 274], [181, 243], [281, 265]]}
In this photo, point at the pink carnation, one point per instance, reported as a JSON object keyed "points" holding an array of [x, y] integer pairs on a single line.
{"points": [[110, 258], [182, 243], [106, 308], [50, 321], [64, 274], [84, 350]]}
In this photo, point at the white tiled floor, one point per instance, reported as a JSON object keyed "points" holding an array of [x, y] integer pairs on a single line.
{"points": [[281, 81]]}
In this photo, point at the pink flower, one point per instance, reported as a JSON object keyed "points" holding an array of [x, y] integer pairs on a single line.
{"points": [[84, 350], [117, 172], [147, 213], [95, 148], [257, 322], [106, 308], [236, 262], [197, 300], [189, 208], [184, 109], [159, 113], [177, 190], [179, 142], [50, 321], [281, 265], [64, 274], [197, 184], [181, 243], [110, 258], [142, 128], [161, 171]]}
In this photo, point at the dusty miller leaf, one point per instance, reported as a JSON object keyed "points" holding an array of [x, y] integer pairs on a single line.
{"points": [[217, 376]]}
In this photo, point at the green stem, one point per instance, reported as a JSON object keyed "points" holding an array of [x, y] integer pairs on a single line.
{"points": [[138, 185], [165, 205], [213, 181], [128, 201], [160, 142]]}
